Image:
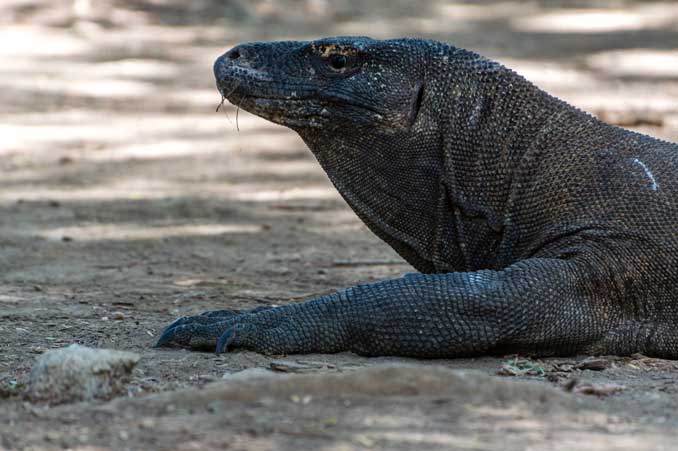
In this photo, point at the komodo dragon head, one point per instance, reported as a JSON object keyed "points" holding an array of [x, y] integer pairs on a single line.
{"points": [[372, 112], [335, 85]]}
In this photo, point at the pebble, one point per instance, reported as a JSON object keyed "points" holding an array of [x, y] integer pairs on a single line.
{"points": [[118, 316]]}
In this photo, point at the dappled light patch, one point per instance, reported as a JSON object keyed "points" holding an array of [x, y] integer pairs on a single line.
{"points": [[132, 232], [638, 63], [134, 68], [552, 76], [599, 20], [262, 195], [633, 99], [124, 132], [482, 12], [108, 89], [39, 41], [445, 17]]}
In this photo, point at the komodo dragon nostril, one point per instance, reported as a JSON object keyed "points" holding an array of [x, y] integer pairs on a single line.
{"points": [[234, 54]]}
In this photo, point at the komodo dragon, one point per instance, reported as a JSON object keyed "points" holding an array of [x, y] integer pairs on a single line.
{"points": [[535, 227]]}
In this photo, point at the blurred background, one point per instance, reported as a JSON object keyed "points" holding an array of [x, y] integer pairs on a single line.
{"points": [[126, 200]]}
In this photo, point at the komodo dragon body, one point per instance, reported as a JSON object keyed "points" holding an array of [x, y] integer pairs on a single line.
{"points": [[535, 227]]}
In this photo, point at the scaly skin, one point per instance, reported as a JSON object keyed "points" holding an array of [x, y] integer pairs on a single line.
{"points": [[535, 227]]}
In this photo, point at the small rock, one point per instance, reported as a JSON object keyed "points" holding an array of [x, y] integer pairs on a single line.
{"points": [[571, 384], [365, 441], [593, 364], [147, 423], [204, 378], [563, 367], [79, 373], [297, 399], [330, 421], [118, 316], [283, 366], [522, 367], [599, 390]]}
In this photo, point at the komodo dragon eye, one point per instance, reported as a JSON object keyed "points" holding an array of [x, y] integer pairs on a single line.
{"points": [[338, 61]]}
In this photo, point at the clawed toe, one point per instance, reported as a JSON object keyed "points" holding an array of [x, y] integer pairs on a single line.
{"points": [[207, 330], [225, 340], [202, 319], [193, 333], [167, 336]]}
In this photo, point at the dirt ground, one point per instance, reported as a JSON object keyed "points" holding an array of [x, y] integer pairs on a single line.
{"points": [[126, 201]]}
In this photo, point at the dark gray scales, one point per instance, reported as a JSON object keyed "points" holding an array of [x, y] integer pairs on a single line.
{"points": [[536, 228]]}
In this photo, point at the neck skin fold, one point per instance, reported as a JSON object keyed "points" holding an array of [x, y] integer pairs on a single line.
{"points": [[438, 192]]}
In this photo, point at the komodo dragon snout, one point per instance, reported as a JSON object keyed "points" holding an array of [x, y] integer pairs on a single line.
{"points": [[338, 83]]}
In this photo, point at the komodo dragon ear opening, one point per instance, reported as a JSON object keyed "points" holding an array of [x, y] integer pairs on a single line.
{"points": [[415, 104]]}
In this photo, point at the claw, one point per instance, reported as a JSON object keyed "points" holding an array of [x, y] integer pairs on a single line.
{"points": [[198, 333], [225, 340], [202, 319], [167, 336]]}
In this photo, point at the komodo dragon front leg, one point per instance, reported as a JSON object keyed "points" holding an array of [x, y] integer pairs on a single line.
{"points": [[543, 306]]}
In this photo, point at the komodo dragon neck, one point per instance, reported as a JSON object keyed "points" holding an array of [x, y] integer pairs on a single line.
{"points": [[438, 190]]}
